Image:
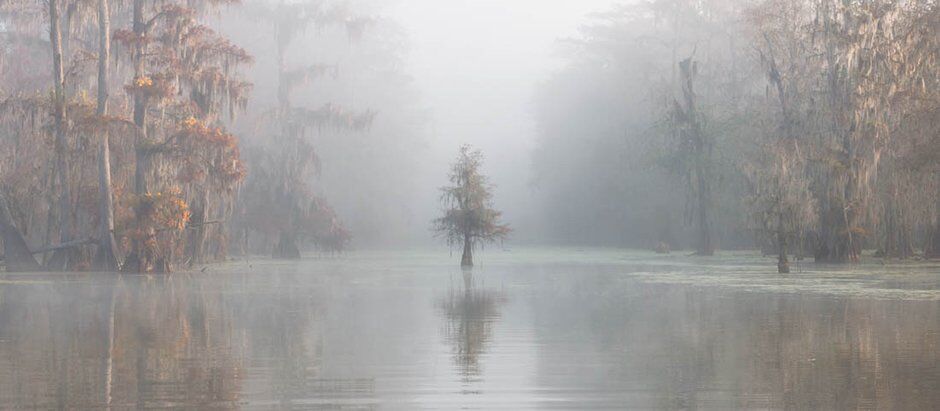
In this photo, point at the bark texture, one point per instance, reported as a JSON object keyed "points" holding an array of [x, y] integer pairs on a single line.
{"points": [[60, 259], [108, 257]]}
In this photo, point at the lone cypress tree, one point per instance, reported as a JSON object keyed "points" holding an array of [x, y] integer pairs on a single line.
{"points": [[469, 218]]}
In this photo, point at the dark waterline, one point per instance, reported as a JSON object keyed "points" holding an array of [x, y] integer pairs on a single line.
{"points": [[528, 329]]}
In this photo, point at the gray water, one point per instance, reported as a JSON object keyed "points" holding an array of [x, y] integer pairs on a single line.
{"points": [[526, 329]]}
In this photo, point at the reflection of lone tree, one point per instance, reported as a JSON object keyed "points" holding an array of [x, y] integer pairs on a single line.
{"points": [[469, 218], [470, 317]]}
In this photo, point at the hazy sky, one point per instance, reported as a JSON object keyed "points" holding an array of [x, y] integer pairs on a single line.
{"points": [[477, 64]]}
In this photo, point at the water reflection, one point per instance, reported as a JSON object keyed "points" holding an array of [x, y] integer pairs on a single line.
{"points": [[470, 313], [679, 347], [152, 343], [574, 336]]}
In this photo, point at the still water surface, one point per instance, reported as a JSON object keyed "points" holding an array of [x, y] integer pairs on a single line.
{"points": [[528, 329]]}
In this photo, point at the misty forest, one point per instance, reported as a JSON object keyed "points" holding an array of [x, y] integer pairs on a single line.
{"points": [[438, 204]]}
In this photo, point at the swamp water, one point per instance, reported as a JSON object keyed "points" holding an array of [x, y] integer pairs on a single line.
{"points": [[527, 329]]}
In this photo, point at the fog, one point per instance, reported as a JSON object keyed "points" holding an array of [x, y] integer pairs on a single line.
{"points": [[470, 70], [469, 204], [477, 65]]}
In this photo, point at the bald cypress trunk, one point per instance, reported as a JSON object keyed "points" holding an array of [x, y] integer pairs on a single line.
{"points": [[140, 104], [107, 257], [843, 240], [60, 259], [898, 233], [783, 258], [467, 259], [140, 259], [201, 235], [695, 142]]}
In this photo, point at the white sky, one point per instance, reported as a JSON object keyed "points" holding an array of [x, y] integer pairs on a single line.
{"points": [[477, 64]]}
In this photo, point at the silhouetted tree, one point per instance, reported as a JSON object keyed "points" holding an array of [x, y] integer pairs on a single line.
{"points": [[469, 218]]}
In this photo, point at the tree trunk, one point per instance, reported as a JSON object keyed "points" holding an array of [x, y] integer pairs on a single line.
{"points": [[932, 248], [849, 249], [706, 245], [838, 244], [467, 259], [16, 254], [898, 235], [842, 244], [141, 259], [783, 259], [286, 247], [889, 247], [108, 253], [142, 163], [696, 143], [140, 106], [201, 234], [60, 259]]}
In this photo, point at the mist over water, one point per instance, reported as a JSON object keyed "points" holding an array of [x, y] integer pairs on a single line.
{"points": [[531, 329], [469, 204]]}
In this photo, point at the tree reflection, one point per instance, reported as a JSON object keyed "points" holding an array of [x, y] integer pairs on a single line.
{"points": [[172, 345], [678, 347], [178, 340], [281, 331], [470, 313], [127, 342]]}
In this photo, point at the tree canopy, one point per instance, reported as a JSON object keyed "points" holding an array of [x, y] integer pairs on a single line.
{"points": [[470, 218]]}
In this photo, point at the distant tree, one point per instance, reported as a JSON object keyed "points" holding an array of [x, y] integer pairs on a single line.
{"points": [[279, 197], [780, 198], [696, 156], [469, 217]]}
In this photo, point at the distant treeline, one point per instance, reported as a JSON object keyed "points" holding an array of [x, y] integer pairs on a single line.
{"points": [[801, 127]]}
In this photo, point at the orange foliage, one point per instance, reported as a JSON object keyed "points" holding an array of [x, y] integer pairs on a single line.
{"points": [[165, 210], [210, 153], [158, 86]]}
